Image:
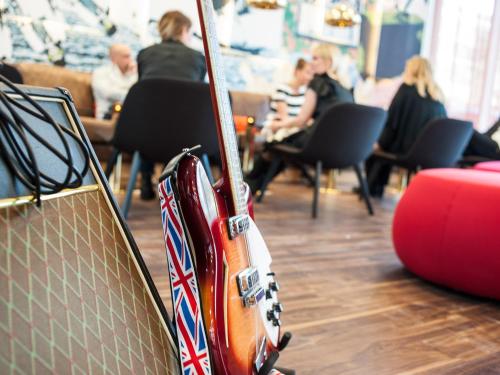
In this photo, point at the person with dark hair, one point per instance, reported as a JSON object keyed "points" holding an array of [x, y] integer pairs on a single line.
{"points": [[417, 101], [172, 59]]}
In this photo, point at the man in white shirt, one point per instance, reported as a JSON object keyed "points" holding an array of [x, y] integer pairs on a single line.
{"points": [[111, 82]]}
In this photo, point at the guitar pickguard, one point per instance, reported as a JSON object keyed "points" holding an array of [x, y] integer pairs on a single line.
{"points": [[261, 260]]}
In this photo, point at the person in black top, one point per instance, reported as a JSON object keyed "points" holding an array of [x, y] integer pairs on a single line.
{"points": [[172, 59], [417, 101], [485, 145], [323, 91]]}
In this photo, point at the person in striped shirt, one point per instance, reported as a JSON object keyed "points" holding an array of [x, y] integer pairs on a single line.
{"points": [[288, 99]]}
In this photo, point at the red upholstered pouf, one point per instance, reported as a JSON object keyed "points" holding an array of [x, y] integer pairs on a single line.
{"points": [[492, 166], [447, 229]]}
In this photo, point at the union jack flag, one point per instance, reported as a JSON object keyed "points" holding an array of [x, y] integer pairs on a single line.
{"points": [[193, 350]]}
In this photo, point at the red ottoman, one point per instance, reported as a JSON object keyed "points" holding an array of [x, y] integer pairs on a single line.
{"points": [[491, 166], [447, 229]]}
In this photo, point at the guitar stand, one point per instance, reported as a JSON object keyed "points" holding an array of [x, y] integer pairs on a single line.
{"points": [[268, 364], [285, 339], [285, 371]]}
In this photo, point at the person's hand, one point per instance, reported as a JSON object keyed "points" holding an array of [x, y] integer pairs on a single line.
{"points": [[278, 124], [376, 147]]}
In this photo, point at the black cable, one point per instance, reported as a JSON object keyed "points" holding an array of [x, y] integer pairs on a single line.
{"points": [[16, 145]]}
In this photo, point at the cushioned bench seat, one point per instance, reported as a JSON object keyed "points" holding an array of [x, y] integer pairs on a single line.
{"points": [[447, 229], [491, 166]]}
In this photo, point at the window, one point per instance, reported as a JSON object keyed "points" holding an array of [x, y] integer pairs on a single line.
{"points": [[461, 54]]}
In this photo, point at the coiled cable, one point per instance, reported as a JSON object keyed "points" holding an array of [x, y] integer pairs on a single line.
{"points": [[16, 148]]}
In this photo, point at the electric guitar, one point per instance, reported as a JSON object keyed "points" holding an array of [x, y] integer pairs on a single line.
{"points": [[226, 309]]}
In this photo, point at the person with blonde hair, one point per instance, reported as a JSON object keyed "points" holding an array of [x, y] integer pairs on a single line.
{"points": [[323, 91], [417, 101], [171, 59]]}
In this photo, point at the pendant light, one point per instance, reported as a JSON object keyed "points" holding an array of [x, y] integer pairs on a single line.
{"points": [[267, 4], [342, 14]]}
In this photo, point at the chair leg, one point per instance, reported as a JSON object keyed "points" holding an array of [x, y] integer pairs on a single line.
{"points": [[317, 183], [111, 163], [305, 173], [363, 187], [206, 164], [273, 168], [409, 175], [134, 170]]}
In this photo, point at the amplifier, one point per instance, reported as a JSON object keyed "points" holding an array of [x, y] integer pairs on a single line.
{"points": [[75, 294]]}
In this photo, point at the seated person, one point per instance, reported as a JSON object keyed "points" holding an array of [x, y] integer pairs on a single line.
{"points": [[418, 100], [485, 145], [171, 59], [288, 99], [323, 91], [111, 82]]}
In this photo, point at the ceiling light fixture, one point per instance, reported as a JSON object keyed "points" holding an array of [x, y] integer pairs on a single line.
{"points": [[267, 4], [342, 14]]}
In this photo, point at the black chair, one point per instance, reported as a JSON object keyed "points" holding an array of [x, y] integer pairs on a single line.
{"points": [[160, 117], [439, 145], [483, 142], [492, 130], [342, 137], [11, 73]]}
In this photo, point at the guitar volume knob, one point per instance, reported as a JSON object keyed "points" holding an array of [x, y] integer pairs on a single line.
{"points": [[269, 294], [278, 307], [274, 286], [276, 322], [272, 315]]}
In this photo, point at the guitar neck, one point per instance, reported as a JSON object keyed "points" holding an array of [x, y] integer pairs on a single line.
{"points": [[231, 168]]}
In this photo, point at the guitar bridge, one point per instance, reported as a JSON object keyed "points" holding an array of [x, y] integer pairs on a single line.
{"points": [[237, 225], [249, 287]]}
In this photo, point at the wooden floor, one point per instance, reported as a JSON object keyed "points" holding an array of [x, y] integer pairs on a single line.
{"points": [[349, 303]]}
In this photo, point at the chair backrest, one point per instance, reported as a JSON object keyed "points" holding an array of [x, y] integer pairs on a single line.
{"points": [[440, 144], [344, 135], [160, 117], [11, 73]]}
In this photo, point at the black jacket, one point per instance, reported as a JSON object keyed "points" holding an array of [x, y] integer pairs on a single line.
{"points": [[407, 116], [328, 92], [171, 59]]}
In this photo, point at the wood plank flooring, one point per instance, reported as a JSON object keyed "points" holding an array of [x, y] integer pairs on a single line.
{"points": [[351, 306]]}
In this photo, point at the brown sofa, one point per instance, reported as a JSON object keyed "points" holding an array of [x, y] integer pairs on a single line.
{"points": [[79, 85], [101, 131]]}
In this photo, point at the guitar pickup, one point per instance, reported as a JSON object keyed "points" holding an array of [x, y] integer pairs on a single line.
{"points": [[237, 225], [249, 287]]}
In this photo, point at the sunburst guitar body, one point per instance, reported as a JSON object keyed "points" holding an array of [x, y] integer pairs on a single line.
{"points": [[238, 292], [224, 294]]}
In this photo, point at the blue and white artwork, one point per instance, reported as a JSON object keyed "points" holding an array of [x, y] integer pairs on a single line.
{"points": [[77, 34]]}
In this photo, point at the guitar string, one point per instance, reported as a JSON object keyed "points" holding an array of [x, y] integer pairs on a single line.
{"points": [[228, 133], [229, 136]]}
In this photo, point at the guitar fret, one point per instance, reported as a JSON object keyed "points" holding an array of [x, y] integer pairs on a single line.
{"points": [[225, 114]]}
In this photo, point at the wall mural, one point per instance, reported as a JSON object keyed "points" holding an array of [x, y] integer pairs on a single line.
{"points": [[77, 33]]}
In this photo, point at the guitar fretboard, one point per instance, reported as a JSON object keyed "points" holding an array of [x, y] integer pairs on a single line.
{"points": [[231, 159]]}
